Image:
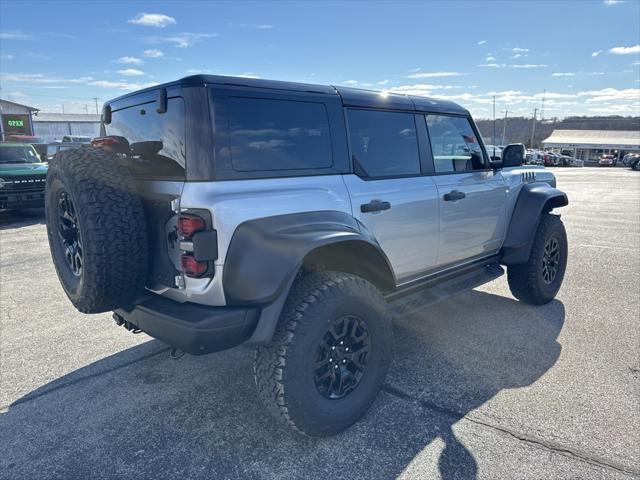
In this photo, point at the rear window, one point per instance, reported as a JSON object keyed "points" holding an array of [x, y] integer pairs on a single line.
{"points": [[271, 135], [383, 144], [157, 140]]}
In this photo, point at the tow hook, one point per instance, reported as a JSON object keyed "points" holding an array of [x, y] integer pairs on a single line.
{"points": [[176, 353], [121, 322]]}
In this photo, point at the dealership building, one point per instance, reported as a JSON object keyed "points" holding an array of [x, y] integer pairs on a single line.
{"points": [[590, 145], [15, 119], [21, 120]]}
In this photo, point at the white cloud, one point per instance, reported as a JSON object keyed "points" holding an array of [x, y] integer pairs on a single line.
{"points": [[15, 35], [517, 55], [608, 3], [563, 74], [529, 65], [159, 20], [383, 82], [413, 70], [183, 40], [482, 42], [519, 50], [120, 85], [595, 73], [517, 65], [7, 56], [490, 59], [152, 53], [597, 52], [129, 60], [351, 82], [625, 50], [434, 74], [611, 94], [131, 72], [40, 78], [259, 26]]}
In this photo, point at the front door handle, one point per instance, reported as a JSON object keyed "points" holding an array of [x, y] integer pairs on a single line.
{"points": [[375, 206], [454, 195]]}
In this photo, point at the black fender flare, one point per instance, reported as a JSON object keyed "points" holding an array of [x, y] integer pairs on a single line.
{"points": [[266, 254], [533, 200]]}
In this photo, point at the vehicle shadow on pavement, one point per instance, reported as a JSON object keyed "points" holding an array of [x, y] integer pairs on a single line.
{"points": [[140, 414], [21, 218]]}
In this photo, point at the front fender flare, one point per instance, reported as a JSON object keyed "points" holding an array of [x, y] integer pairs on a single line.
{"points": [[534, 199]]}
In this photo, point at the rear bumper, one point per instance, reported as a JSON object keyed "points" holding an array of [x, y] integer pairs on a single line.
{"points": [[195, 329]]}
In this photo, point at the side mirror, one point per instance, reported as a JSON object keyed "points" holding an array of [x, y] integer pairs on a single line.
{"points": [[495, 163], [513, 155]]}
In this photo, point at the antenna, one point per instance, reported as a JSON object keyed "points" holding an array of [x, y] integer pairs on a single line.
{"points": [[494, 126]]}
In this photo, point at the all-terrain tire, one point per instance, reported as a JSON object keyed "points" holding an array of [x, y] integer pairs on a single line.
{"points": [[636, 166], [526, 281], [285, 368], [109, 227]]}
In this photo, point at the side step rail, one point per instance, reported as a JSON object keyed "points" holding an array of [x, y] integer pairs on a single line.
{"points": [[438, 289]]}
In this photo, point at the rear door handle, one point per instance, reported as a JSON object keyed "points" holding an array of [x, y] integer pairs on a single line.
{"points": [[454, 195], [375, 206]]}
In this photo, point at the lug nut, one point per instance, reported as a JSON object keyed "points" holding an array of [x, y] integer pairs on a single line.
{"points": [[344, 361], [336, 366], [341, 342], [346, 349], [331, 360], [333, 348]]}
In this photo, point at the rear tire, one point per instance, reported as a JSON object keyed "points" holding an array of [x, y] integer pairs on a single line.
{"points": [[636, 166], [537, 282], [305, 376], [96, 229]]}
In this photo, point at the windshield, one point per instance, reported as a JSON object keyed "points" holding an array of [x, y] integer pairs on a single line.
{"points": [[18, 154]]}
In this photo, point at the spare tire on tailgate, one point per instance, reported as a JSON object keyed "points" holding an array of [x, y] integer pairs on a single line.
{"points": [[96, 228]]}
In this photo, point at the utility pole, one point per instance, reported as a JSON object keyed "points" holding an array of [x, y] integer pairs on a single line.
{"points": [[86, 108], [96, 100], [63, 108], [544, 94], [504, 126], [533, 128]]}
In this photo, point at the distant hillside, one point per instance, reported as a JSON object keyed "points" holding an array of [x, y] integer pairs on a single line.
{"points": [[519, 128]]}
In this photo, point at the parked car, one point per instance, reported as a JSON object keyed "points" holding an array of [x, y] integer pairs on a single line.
{"points": [[38, 143], [632, 160], [535, 157], [551, 159], [272, 233], [566, 161], [54, 148], [22, 177], [607, 161], [76, 139]]}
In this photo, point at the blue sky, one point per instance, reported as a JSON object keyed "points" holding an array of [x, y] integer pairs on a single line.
{"points": [[585, 54]]}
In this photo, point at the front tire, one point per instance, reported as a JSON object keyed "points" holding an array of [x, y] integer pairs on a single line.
{"points": [[329, 355], [537, 282]]}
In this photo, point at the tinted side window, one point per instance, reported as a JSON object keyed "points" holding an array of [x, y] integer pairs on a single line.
{"points": [[383, 144], [278, 135], [454, 144], [157, 140]]}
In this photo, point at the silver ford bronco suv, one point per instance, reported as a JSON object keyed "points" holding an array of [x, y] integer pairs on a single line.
{"points": [[215, 211]]}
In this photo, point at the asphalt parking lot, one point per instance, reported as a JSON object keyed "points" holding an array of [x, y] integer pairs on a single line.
{"points": [[481, 385]]}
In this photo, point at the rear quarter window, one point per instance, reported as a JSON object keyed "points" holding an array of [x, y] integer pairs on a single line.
{"points": [[157, 140], [276, 135]]}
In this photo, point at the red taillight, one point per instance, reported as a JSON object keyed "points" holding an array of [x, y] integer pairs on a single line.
{"points": [[188, 225], [104, 141], [191, 267]]}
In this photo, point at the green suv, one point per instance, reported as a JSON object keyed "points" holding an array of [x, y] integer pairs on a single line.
{"points": [[22, 177]]}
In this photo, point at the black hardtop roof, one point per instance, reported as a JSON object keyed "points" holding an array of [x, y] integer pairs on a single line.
{"points": [[350, 96]]}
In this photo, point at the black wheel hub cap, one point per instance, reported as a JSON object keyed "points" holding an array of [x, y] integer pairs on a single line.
{"points": [[550, 260], [69, 233], [341, 357]]}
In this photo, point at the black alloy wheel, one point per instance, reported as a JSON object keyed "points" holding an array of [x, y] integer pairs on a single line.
{"points": [[69, 232], [341, 358], [550, 260]]}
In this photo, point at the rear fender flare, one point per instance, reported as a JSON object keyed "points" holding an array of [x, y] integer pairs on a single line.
{"points": [[265, 255]]}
